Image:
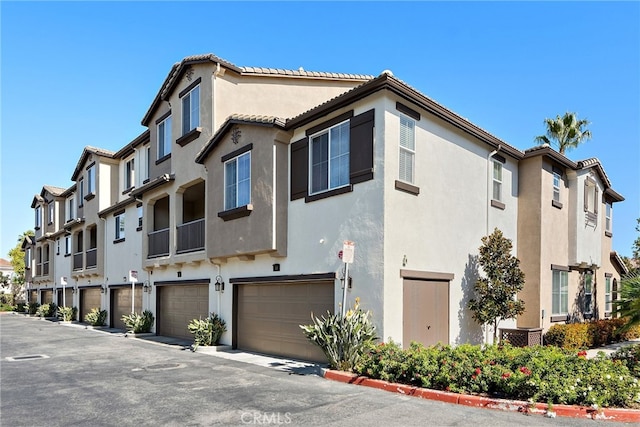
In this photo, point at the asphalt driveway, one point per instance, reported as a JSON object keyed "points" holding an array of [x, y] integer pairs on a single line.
{"points": [[82, 377]]}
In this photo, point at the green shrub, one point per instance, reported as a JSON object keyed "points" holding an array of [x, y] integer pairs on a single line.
{"points": [[630, 357], [20, 307], [575, 336], [138, 323], [96, 317], [207, 331], [343, 339], [542, 374], [46, 310], [32, 308], [67, 314], [7, 299]]}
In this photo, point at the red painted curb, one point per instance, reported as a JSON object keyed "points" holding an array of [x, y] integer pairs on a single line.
{"points": [[609, 414]]}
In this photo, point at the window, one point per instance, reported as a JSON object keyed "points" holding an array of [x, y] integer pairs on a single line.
{"points": [[120, 226], [407, 149], [38, 213], [591, 200], [81, 183], [58, 246], [588, 293], [140, 217], [67, 245], [608, 210], [497, 181], [191, 110], [27, 258], [607, 294], [147, 170], [71, 209], [91, 179], [164, 137], [330, 158], [51, 207], [129, 175], [237, 181], [560, 292], [556, 186]]}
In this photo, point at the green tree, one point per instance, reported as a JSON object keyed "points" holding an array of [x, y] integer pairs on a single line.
{"points": [[496, 294], [636, 244], [17, 258], [628, 303], [566, 131]]}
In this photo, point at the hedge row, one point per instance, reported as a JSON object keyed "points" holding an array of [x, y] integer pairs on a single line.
{"points": [[576, 336]]}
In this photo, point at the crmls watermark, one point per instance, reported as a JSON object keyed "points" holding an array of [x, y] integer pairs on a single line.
{"points": [[266, 418]]}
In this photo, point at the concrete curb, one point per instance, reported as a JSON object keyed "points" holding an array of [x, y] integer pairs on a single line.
{"points": [[609, 414]]}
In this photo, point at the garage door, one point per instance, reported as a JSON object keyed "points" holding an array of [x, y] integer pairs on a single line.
{"points": [[89, 299], [121, 304], [68, 298], [178, 305], [33, 296], [47, 297], [269, 316]]}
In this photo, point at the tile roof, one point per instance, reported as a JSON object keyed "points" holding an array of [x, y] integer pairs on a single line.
{"points": [[85, 153], [251, 119], [594, 162], [55, 191], [178, 68]]}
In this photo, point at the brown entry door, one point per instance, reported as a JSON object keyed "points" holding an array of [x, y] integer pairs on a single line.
{"points": [[121, 304], [425, 312], [269, 317]]}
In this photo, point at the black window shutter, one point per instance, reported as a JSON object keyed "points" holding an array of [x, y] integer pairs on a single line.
{"points": [[299, 169], [361, 147]]}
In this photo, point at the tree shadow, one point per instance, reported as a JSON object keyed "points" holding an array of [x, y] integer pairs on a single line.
{"points": [[470, 330]]}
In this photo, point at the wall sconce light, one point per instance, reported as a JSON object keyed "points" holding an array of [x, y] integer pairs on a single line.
{"points": [[103, 289], [74, 290], [89, 281], [219, 285], [124, 279], [147, 286]]}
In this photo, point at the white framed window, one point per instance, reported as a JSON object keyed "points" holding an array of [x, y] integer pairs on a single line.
{"points": [[71, 209], [27, 258], [81, 197], [120, 226], [608, 211], [51, 213], [191, 110], [330, 158], [140, 216], [607, 294], [237, 181], [590, 196], [38, 213], [556, 186], [497, 180], [588, 293], [129, 174], [146, 154], [560, 292], [67, 245], [164, 137], [91, 179], [407, 149]]}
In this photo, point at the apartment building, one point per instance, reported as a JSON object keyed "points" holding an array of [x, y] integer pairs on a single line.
{"points": [[239, 195]]}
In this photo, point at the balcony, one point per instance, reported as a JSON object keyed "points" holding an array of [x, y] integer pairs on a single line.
{"points": [[38, 269], [77, 261], [158, 243], [191, 236], [92, 258], [45, 268]]}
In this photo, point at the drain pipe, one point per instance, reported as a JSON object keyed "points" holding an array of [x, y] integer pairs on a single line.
{"points": [[488, 207]]}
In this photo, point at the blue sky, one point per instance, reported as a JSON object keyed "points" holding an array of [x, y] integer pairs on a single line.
{"points": [[84, 73]]}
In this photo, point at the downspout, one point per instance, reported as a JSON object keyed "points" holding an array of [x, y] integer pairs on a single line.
{"points": [[104, 267], [489, 181]]}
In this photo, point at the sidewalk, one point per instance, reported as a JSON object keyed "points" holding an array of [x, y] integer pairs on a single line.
{"points": [[611, 348]]}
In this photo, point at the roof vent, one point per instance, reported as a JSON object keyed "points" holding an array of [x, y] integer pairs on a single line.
{"points": [[388, 73], [545, 145], [301, 69]]}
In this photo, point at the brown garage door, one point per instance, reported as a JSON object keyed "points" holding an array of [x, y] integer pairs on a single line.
{"points": [[269, 317], [33, 296], [47, 297], [121, 304], [89, 299], [178, 305], [68, 297]]}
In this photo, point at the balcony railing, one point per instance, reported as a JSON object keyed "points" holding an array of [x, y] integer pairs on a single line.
{"points": [[92, 258], [45, 268], [191, 236], [77, 261], [158, 243]]}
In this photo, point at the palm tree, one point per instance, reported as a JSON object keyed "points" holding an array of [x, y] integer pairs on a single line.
{"points": [[567, 131], [629, 303]]}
